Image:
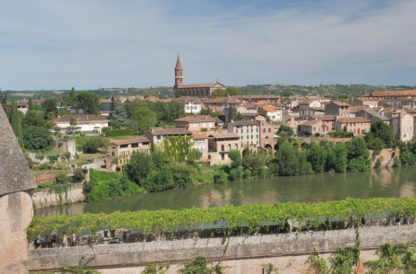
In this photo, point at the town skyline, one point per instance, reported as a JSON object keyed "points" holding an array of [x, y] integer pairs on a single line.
{"points": [[299, 43]]}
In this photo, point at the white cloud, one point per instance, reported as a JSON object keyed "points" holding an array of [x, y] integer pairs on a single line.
{"points": [[59, 44]]}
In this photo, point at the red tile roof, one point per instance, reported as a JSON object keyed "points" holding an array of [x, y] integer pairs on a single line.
{"points": [[352, 120]]}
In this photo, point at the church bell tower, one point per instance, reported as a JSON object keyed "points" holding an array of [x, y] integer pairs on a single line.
{"points": [[178, 73]]}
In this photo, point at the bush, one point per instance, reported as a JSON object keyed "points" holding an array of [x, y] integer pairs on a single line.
{"points": [[79, 176], [37, 138], [105, 185], [61, 178], [359, 164], [93, 144], [220, 177]]}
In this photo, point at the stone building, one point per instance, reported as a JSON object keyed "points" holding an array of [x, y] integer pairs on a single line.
{"points": [[268, 134], [337, 108], [200, 143], [198, 90], [402, 124], [355, 125], [157, 135], [248, 130], [15, 201], [122, 149], [219, 144], [198, 122]]}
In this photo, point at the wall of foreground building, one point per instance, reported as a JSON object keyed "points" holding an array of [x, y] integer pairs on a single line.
{"points": [[130, 256]]}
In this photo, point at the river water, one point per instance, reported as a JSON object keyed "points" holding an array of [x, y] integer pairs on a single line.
{"points": [[378, 183]]}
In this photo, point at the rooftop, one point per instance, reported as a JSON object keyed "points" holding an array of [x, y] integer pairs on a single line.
{"points": [[14, 170], [170, 131], [79, 118], [133, 140], [409, 92], [198, 119], [352, 120]]}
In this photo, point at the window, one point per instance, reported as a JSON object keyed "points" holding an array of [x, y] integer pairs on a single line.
{"points": [[159, 137], [222, 147], [135, 145], [113, 154], [222, 156], [270, 130], [123, 146]]}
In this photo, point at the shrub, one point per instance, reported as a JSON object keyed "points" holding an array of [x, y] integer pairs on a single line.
{"points": [[61, 178], [93, 144], [37, 138], [220, 177]]}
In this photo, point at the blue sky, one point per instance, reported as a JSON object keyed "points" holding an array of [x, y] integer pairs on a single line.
{"points": [[57, 44]]}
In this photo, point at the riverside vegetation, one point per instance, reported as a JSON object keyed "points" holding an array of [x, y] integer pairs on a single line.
{"points": [[237, 220]]}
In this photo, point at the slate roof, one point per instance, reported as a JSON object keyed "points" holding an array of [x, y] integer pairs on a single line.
{"points": [[15, 174]]}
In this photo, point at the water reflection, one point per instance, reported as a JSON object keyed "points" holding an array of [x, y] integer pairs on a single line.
{"points": [[379, 183]]}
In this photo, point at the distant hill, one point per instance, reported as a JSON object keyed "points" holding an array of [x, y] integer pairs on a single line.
{"points": [[283, 90], [324, 90]]}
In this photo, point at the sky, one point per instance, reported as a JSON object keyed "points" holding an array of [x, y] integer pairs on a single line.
{"points": [[89, 44]]}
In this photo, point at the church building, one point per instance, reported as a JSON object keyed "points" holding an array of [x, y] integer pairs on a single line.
{"points": [[197, 90]]}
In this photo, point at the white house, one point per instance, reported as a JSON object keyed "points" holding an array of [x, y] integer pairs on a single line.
{"points": [[75, 123], [272, 112], [192, 105]]}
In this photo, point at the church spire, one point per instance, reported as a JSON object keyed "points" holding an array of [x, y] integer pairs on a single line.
{"points": [[178, 73], [178, 63]]}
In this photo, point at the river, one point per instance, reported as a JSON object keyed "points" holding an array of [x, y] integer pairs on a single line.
{"points": [[320, 187]]}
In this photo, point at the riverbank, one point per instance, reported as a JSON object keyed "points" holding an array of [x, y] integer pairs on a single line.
{"points": [[391, 182], [72, 193]]}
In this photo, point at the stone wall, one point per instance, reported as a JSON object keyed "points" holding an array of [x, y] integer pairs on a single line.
{"points": [[16, 214], [47, 198], [215, 249]]}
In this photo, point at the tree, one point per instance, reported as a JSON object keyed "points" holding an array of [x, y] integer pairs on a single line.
{"points": [[35, 118], [30, 104], [380, 130], [235, 157], [316, 155], [16, 122], [337, 159], [193, 156], [358, 155], [50, 108], [139, 167], [118, 115], [73, 124], [88, 101], [142, 119], [287, 158], [286, 131], [94, 143], [37, 138]]}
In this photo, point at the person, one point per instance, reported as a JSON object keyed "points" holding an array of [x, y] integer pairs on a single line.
{"points": [[64, 240], [74, 239], [54, 238], [46, 242], [37, 242]]}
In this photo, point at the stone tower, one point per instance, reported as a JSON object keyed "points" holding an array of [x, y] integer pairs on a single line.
{"points": [[178, 73], [16, 209]]}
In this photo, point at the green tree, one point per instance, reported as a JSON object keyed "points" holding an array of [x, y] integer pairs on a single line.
{"points": [[50, 108], [286, 131], [16, 121], [88, 101], [118, 115], [337, 159], [142, 119], [379, 129], [94, 144], [235, 157], [30, 104], [193, 156], [35, 118], [287, 158], [37, 138], [316, 155]]}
